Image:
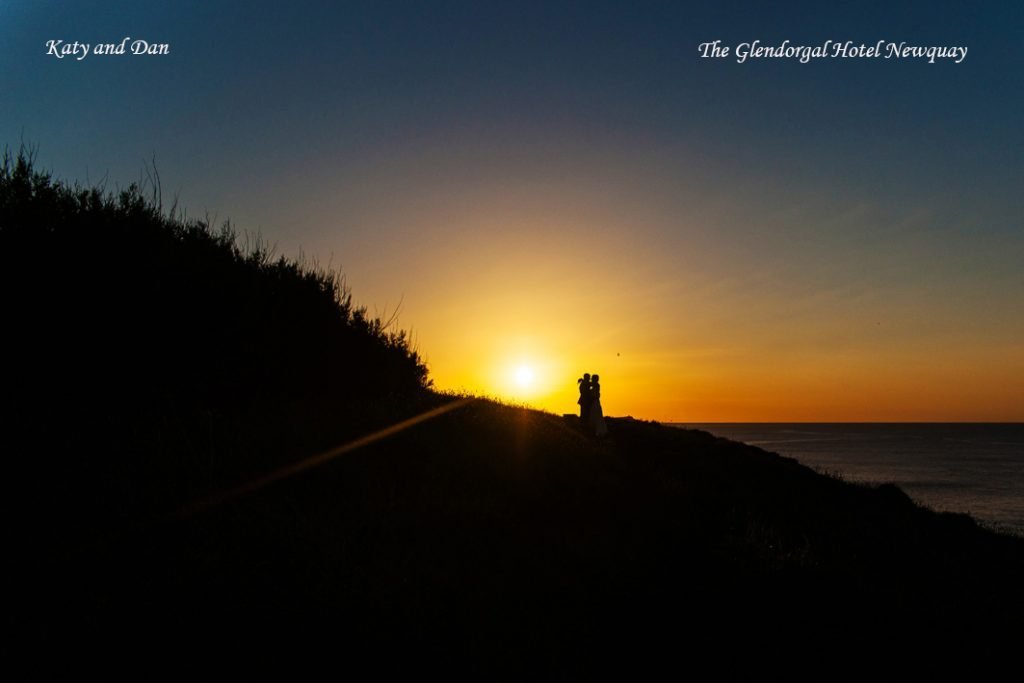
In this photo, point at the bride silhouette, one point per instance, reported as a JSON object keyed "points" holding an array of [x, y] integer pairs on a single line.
{"points": [[596, 416]]}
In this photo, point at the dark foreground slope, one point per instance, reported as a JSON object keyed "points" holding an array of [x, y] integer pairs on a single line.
{"points": [[153, 363], [496, 536]]}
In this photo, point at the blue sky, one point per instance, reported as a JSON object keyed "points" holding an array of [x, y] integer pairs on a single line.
{"points": [[391, 137]]}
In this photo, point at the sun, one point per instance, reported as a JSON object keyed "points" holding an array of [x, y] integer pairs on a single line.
{"points": [[524, 376]]}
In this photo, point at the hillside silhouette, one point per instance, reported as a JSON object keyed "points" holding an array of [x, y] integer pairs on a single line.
{"points": [[154, 361]]}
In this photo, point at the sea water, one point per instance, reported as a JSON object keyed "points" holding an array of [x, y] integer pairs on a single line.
{"points": [[956, 467]]}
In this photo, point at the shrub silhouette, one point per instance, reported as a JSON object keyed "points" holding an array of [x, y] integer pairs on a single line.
{"points": [[103, 280], [144, 347], [108, 280]]}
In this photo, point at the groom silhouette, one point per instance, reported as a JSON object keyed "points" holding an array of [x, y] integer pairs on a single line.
{"points": [[586, 397]]}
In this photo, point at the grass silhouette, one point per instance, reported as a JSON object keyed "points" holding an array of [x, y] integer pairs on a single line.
{"points": [[155, 362], [175, 347]]}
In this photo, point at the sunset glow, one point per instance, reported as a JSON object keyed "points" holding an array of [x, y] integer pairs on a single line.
{"points": [[768, 241]]}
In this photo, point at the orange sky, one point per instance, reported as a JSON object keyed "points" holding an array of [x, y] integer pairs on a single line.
{"points": [[571, 187], [830, 308]]}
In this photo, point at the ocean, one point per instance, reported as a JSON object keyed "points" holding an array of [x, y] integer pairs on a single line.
{"points": [[957, 467]]}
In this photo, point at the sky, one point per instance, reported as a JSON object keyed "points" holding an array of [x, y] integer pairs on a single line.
{"points": [[546, 189]]}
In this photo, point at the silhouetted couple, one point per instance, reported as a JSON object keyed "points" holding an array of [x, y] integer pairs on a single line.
{"points": [[591, 414]]}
